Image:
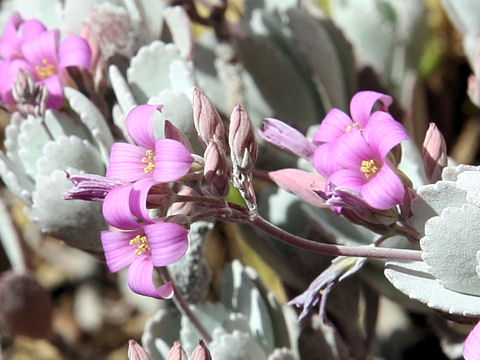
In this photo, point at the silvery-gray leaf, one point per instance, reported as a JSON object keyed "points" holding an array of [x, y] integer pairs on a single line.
{"points": [[48, 12], [15, 178], [470, 182], [67, 152], [269, 5], [450, 246], [177, 109], [191, 274], [124, 96], [76, 222], [150, 17], [236, 321], [412, 163], [180, 27], [160, 332], [432, 199], [93, 120], [470, 47], [181, 77], [235, 346], [464, 14], [118, 118], [74, 14], [281, 332], [451, 173], [240, 294], [149, 70], [11, 137], [10, 240], [263, 61], [318, 50], [33, 136], [281, 354], [210, 315], [415, 280]]}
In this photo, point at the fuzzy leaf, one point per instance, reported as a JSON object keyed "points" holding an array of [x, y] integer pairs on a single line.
{"points": [[464, 14], [160, 331]]}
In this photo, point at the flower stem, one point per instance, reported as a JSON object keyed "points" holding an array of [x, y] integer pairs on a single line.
{"points": [[335, 250], [182, 306]]}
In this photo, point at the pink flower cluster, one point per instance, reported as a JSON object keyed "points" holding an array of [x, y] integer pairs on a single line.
{"points": [[353, 151], [29, 46], [144, 171]]}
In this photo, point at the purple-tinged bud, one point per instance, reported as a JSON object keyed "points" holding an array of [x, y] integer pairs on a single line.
{"points": [[434, 153], [177, 352], [201, 352], [137, 352], [300, 183], [287, 138], [90, 187], [174, 133], [217, 169], [183, 208], [241, 138], [207, 121], [25, 306]]}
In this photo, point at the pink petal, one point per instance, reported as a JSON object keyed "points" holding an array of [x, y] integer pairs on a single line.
{"points": [[383, 132], [10, 42], [116, 209], [140, 280], [352, 179], [332, 127], [43, 47], [300, 183], [31, 29], [324, 159], [140, 125], [352, 149], [138, 198], [385, 190], [471, 348], [126, 163], [55, 92], [362, 104], [74, 51], [168, 241], [118, 253], [173, 160]]}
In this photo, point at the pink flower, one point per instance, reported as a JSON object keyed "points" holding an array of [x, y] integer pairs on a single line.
{"points": [[141, 249], [337, 123], [162, 160], [471, 348], [357, 160], [28, 45]]}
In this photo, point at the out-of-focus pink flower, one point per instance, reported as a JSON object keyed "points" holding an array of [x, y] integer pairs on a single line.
{"points": [[150, 244], [162, 160], [28, 45], [337, 123], [471, 348]]}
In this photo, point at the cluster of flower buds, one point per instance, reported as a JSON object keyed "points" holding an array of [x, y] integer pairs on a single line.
{"points": [[201, 352], [29, 46]]}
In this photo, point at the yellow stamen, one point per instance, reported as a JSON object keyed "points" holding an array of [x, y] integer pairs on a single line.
{"points": [[354, 125], [46, 70], [149, 159], [370, 168], [142, 244]]}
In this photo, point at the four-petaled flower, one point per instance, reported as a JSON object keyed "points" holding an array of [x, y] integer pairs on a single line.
{"points": [[29, 46]]}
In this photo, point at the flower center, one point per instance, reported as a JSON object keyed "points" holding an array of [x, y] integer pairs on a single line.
{"points": [[370, 168], [46, 69], [149, 159], [354, 125], [142, 244]]}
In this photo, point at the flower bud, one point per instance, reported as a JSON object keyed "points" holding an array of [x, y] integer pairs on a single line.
{"points": [[207, 121], [182, 208], [287, 138], [177, 352], [216, 169], [241, 138], [90, 187], [136, 352], [174, 133], [201, 352], [434, 153]]}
